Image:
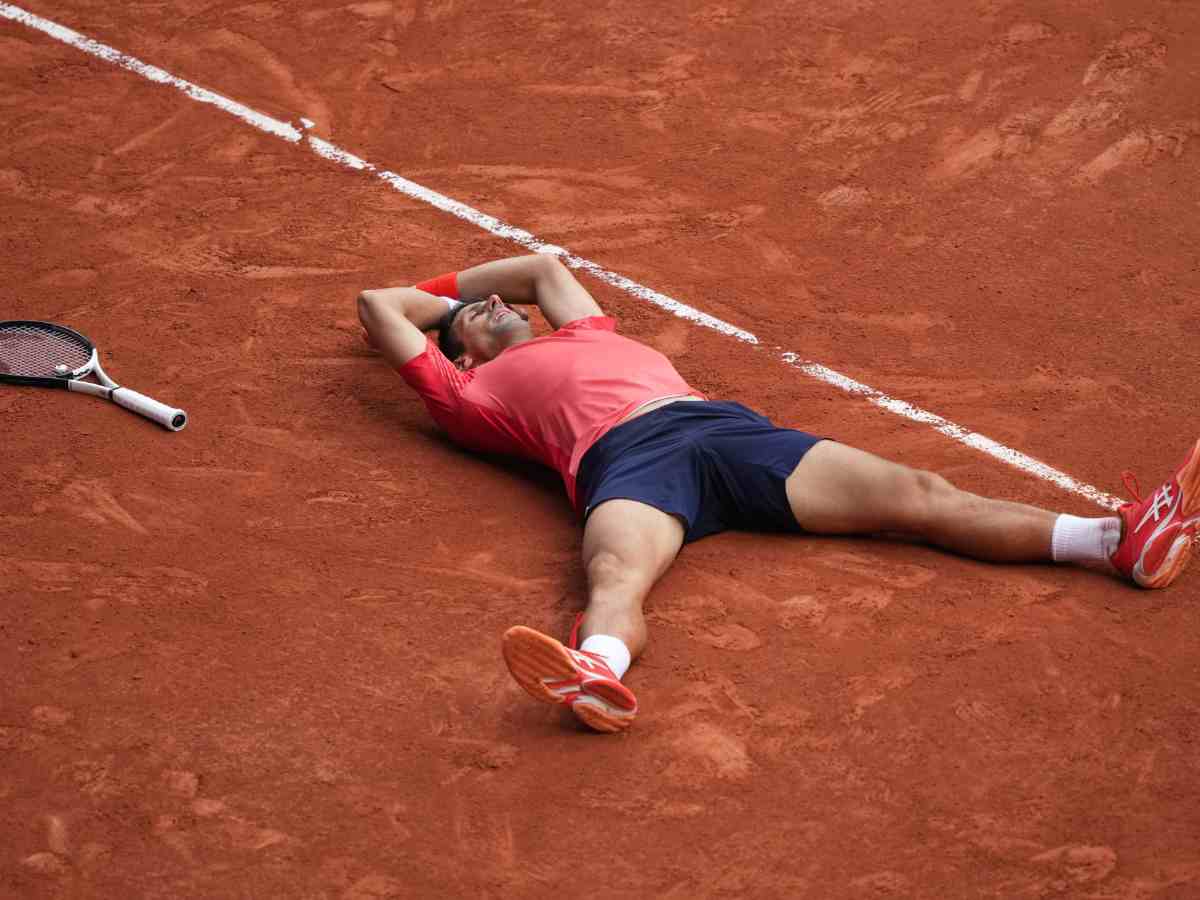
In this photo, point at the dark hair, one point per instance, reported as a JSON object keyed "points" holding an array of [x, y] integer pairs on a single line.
{"points": [[448, 342]]}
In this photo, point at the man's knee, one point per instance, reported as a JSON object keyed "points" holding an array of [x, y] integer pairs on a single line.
{"points": [[931, 485], [607, 568], [928, 496]]}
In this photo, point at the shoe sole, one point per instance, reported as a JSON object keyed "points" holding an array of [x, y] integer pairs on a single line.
{"points": [[532, 657], [1189, 483], [1173, 563], [593, 713], [1176, 558]]}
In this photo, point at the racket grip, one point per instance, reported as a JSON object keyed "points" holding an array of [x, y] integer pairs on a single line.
{"points": [[167, 416]]}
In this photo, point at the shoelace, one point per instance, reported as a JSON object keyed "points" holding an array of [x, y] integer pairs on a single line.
{"points": [[1132, 486], [573, 640]]}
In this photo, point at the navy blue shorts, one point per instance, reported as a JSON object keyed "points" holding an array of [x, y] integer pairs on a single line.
{"points": [[715, 465]]}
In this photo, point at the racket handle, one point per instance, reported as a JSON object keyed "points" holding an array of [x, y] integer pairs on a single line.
{"points": [[166, 416]]}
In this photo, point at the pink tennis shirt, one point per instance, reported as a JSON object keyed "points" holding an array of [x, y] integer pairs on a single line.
{"points": [[548, 399]]}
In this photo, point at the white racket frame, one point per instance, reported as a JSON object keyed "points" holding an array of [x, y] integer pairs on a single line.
{"points": [[168, 417]]}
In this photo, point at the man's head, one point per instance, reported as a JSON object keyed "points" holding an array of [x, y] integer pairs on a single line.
{"points": [[480, 330]]}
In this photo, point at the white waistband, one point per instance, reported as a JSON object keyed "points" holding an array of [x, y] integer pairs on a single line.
{"points": [[641, 406]]}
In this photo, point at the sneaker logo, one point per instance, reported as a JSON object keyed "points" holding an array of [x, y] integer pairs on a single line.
{"points": [[588, 664], [1162, 500]]}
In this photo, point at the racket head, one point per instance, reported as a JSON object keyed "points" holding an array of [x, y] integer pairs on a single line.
{"points": [[30, 351]]}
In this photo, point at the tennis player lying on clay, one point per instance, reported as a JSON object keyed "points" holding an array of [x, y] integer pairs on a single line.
{"points": [[651, 464]]}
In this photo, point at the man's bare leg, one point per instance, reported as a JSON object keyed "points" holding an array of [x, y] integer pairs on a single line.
{"points": [[627, 546], [837, 489]]}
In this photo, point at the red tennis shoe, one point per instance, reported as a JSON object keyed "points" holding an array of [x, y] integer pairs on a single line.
{"points": [[1161, 529], [552, 673]]}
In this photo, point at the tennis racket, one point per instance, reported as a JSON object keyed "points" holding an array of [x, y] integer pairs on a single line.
{"points": [[47, 355]]}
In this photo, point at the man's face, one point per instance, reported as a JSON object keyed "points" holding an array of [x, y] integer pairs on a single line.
{"points": [[487, 328]]}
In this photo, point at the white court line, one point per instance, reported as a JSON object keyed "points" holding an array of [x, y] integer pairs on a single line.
{"points": [[290, 133]]}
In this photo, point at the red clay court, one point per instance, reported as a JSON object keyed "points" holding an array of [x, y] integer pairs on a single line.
{"points": [[260, 657]]}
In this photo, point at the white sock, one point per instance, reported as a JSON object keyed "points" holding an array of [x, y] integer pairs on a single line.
{"points": [[614, 651], [1079, 540]]}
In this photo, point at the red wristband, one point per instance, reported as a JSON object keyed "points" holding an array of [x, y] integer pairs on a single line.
{"points": [[442, 286]]}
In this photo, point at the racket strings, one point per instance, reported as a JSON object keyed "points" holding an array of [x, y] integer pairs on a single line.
{"points": [[32, 350]]}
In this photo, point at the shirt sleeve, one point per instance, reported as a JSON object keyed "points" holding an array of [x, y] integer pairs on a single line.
{"points": [[593, 323], [438, 382]]}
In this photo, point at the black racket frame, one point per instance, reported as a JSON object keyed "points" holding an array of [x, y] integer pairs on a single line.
{"points": [[53, 381]]}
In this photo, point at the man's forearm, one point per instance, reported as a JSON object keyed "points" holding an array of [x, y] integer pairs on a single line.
{"points": [[515, 279], [538, 278], [424, 310]]}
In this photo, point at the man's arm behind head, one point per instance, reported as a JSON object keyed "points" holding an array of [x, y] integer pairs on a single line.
{"points": [[539, 278], [395, 320]]}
